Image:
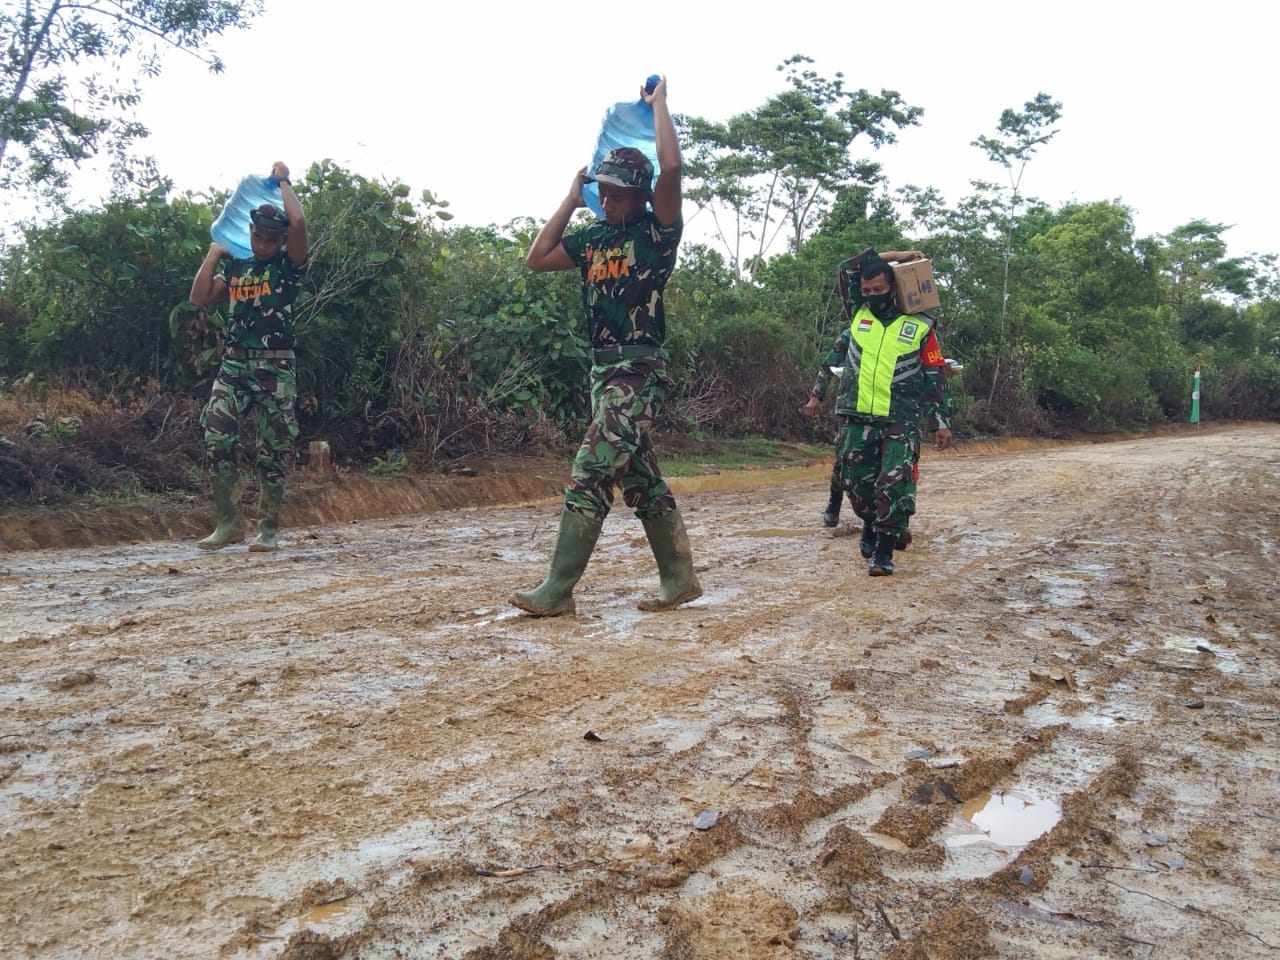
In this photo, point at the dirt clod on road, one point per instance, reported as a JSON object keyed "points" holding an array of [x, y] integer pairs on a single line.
{"points": [[1051, 733]]}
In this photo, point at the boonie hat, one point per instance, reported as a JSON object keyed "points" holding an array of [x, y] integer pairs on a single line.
{"points": [[625, 167], [269, 217]]}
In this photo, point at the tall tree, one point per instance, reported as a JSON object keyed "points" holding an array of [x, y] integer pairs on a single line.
{"points": [[1196, 266], [969, 249], [56, 107], [1019, 134], [779, 167]]}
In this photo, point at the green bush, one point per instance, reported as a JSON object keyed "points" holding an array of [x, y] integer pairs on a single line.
{"points": [[95, 292]]}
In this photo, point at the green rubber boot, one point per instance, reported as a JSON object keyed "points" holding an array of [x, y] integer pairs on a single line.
{"points": [[268, 517], [669, 541], [230, 528], [554, 597]]}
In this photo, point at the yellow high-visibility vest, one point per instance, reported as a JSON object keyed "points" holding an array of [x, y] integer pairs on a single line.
{"points": [[884, 355]]}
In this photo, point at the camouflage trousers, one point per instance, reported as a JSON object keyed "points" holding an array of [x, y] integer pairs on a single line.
{"points": [[617, 450], [878, 471], [837, 472], [265, 389]]}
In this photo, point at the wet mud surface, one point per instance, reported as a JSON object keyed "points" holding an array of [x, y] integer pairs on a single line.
{"points": [[1052, 733]]}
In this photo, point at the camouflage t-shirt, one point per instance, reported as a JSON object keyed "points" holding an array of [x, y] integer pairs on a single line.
{"points": [[261, 295], [624, 269]]}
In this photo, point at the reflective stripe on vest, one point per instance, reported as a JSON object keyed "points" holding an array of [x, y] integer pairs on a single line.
{"points": [[884, 354]]}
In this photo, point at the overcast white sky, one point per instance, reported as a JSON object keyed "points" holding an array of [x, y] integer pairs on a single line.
{"points": [[493, 106]]}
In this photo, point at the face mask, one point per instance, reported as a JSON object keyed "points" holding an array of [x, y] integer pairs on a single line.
{"points": [[881, 304]]}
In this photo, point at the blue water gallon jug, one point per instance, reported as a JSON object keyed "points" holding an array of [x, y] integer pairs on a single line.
{"points": [[231, 229], [626, 124]]}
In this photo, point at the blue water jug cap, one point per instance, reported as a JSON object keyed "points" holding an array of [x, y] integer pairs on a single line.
{"points": [[652, 83]]}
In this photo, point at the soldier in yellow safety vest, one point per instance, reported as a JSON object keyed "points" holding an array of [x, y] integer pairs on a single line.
{"points": [[892, 381]]}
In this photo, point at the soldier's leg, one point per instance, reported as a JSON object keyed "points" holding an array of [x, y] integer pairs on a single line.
{"points": [[587, 501], [831, 515], [639, 476], [904, 535], [612, 441], [645, 491], [221, 419], [859, 458], [896, 485], [276, 391], [895, 494]]}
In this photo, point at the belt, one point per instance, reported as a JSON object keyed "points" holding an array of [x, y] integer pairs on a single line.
{"points": [[627, 351], [239, 353]]}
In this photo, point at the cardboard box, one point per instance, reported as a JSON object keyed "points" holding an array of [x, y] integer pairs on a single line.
{"points": [[914, 285]]}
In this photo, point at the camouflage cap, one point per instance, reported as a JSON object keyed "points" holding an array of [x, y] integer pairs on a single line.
{"points": [[270, 218], [625, 167]]}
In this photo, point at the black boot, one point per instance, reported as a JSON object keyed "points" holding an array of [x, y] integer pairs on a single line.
{"points": [[882, 558], [831, 516], [867, 545], [904, 539]]}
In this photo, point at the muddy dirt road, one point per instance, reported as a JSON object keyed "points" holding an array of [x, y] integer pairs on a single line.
{"points": [[1053, 733]]}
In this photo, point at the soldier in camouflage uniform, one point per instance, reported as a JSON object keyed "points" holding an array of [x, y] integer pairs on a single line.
{"points": [[625, 261], [848, 285], [257, 376], [891, 381]]}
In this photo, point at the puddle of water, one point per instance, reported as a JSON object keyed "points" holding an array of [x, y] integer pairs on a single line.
{"points": [[859, 816], [146, 558], [1081, 634], [445, 765], [388, 851], [492, 616], [596, 935], [327, 918], [1048, 714], [1010, 819], [1222, 658], [41, 779], [615, 621], [974, 538], [1062, 589], [677, 735], [886, 843], [738, 479], [1088, 571], [735, 709]]}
